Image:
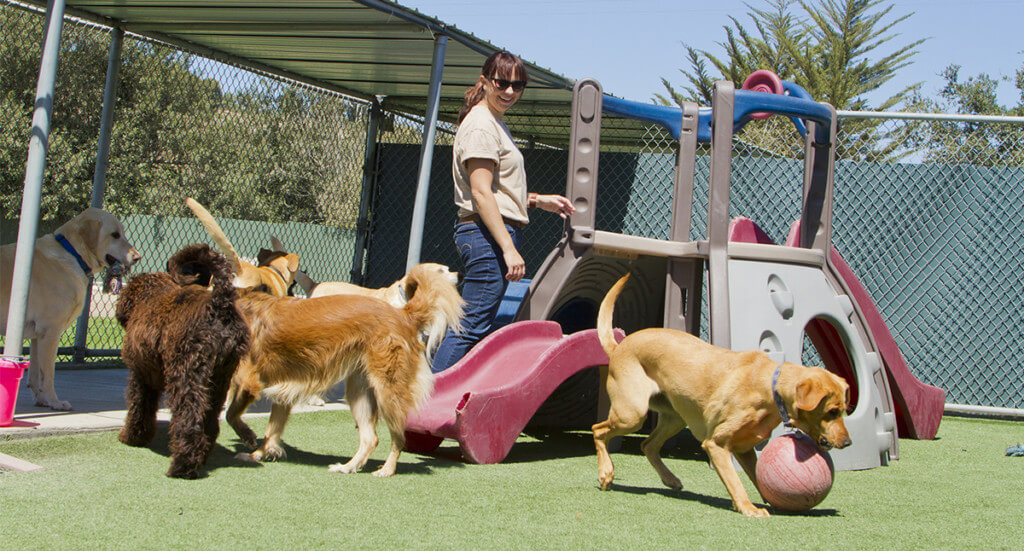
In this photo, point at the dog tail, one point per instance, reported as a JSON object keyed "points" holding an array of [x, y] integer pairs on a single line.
{"points": [[201, 265], [605, 333], [216, 233]]}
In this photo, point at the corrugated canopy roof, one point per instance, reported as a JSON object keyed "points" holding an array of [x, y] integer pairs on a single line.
{"points": [[363, 48]]}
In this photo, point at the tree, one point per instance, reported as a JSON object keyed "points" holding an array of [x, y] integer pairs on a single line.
{"points": [[829, 49], [978, 143], [246, 147]]}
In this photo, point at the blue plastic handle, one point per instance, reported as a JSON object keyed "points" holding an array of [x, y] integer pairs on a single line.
{"points": [[797, 104], [669, 117]]}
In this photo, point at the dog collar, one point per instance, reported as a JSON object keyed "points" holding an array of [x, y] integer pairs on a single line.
{"points": [[278, 272], [778, 398], [67, 247]]}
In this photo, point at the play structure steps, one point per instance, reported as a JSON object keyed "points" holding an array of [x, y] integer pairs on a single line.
{"points": [[486, 399]]}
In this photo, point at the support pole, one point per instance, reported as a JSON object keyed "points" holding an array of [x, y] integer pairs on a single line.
{"points": [[35, 167], [366, 197], [419, 211], [99, 177]]}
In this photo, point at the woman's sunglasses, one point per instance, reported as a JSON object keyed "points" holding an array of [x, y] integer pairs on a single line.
{"points": [[502, 84]]}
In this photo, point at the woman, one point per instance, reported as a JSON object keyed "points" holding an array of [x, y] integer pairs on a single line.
{"points": [[492, 198]]}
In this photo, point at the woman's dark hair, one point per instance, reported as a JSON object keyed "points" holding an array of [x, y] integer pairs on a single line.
{"points": [[503, 64]]}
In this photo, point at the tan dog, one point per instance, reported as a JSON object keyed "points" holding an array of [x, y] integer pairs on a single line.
{"points": [[57, 289], [725, 398], [275, 271], [303, 347]]}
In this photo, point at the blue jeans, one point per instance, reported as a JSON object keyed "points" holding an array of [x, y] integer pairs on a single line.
{"points": [[483, 285]]}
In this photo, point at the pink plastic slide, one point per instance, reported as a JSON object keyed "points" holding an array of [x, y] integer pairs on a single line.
{"points": [[485, 400], [918, 406]]}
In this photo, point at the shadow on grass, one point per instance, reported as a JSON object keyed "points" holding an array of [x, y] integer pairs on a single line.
{"points": [[303, 457], [547, 444], [715, 501], [556, 444], [225, 457], [220, 456]]}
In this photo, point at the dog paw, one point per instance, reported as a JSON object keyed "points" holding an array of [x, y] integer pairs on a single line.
{"points": [[268, 454], [53, 403], [246, 457], [185, 473], [755, 512], [384, 472], [341, 468], [133, 440], [183, 469], [317, 401], [673, 482]]}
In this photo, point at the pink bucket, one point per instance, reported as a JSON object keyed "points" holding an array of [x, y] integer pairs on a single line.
{"points": [[11, 370]]}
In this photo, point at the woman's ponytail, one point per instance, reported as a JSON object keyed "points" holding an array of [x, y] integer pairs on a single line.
{"points": [[474, 95]]}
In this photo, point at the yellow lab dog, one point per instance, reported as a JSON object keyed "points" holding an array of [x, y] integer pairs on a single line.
{"points": [[727, 399], [62, 267], [276, 269]]}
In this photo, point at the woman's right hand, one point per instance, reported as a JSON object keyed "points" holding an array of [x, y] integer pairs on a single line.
{"points": [[516, 265]]}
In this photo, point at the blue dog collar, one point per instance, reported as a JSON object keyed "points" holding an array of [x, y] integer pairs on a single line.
{"points": [[778, 399], [67, 247]]}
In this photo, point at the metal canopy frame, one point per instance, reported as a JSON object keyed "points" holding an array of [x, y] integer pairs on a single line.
{"points": [[360, 48]]}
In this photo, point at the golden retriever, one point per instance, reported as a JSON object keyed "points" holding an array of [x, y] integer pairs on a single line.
{"points": [[63, 264], [275, 270], [302, 347], [396, 294], [727, 399]]}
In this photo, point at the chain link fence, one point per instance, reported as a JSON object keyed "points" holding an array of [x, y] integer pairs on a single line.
{"points": [[267, 157], [926, 211], [933, 236]]}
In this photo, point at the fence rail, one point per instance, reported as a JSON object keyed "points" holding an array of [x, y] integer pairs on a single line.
{"points": [[927, 205]]}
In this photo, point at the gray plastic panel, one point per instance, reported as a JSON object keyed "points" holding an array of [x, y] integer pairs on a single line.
{"points": [[773, 303]]}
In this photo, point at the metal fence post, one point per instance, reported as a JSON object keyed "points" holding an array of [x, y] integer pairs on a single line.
{"points": [[366, 194], [99, 177], [35, 167], [427, 155]]}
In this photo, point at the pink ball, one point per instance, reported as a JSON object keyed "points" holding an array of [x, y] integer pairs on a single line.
{"points": [[793, 474]]}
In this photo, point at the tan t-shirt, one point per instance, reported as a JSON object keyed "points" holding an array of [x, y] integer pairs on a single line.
{"points": [[482, 136]]}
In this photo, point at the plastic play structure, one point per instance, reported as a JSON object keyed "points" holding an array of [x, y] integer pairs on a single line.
{"points": [[760, 295]]}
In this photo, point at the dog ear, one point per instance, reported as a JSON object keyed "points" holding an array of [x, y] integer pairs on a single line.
{"points": [[293, 262], [809, 393], [411, 284], [125, 305], [91, 233], [266, 256], [277, 244]]}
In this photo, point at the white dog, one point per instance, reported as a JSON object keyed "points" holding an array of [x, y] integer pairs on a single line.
{"points": [[62, 268], [397, 294]]}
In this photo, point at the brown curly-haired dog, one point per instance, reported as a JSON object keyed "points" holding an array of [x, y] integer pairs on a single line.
{"points": [[184, 340]]}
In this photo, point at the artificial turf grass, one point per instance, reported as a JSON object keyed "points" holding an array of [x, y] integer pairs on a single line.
{"points": [[958, 491]]}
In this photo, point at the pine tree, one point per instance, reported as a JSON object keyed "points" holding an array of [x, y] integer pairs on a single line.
{"points": [[829, 49]]}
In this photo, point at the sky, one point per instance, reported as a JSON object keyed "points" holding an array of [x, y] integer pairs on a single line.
{"points": [[629, 45]]}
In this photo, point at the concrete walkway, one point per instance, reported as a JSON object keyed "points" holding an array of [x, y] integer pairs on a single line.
{"points": [[97, 396]]}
